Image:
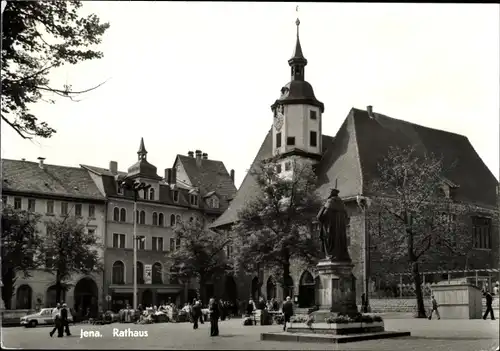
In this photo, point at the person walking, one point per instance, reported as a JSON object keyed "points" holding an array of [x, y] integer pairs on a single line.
{"points": [[214, 309], [64, 319], [202, 317], [489, 307], [56, 316], [434, 308], [287, 310], [195, 314]]}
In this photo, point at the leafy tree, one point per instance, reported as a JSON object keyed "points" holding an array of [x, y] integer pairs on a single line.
{"points": [[68, 248], [38, 36], [200, 255], [275, 226], [20, 243], [412, 219]]}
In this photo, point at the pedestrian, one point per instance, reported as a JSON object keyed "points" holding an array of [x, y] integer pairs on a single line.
{"points": [[214, 309], [201, 316], [196, 313], [287, 310], [222, 307], [56, 316], [64, 320], [489, 308], [434, 308]]}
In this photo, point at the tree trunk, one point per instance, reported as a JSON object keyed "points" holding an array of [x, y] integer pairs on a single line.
{"points": [[201, 290], [59, 288], [8, 280], [418, 291], [286, 275]]}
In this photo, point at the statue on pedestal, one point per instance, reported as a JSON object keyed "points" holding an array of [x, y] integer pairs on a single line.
{"points": [[333, 221]]}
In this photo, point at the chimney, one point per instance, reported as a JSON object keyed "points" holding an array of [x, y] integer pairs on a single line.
{"points": [[40, 160], [232, 175], [190, 153], [113, 167], [198, 158], [205, 156], [173, 176], [369, 109], [168, 174]]}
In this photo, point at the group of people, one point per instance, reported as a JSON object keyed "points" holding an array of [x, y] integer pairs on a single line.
{"points": [[60, 316], [271, 305]]}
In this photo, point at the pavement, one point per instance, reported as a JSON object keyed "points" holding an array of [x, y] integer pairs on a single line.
{"points": [[442, 335]]}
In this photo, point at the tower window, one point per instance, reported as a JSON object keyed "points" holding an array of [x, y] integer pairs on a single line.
{"points": [[288, 166], [278, 168], [278, 139], [313, 114], [313, 136], [290, 141]]}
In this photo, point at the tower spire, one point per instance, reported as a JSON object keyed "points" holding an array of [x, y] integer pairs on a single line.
{"points": [[142, 150], [298, 61]]}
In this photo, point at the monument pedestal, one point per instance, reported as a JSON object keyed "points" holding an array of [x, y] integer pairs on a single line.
{"points": [[337, 290]]}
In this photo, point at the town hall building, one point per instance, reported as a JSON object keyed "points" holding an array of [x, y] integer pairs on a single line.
{"points": [[347, 160]]}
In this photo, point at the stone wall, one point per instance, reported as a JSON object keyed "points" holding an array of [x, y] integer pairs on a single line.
{"points": [[407, 305]]}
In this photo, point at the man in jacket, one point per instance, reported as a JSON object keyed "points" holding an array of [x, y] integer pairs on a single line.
{"points": [[214, 309], [64, 320], [489, 308], [56, 316], [196, 313], [434, 308], [287, 310]]}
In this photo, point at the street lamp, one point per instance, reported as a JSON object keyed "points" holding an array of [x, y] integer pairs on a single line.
{"points": [[135, 186]]}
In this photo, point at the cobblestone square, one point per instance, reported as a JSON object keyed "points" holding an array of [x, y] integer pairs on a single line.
{"points": [[442, 335]]}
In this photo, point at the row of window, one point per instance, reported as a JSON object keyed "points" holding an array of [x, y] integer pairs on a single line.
{"points": [[156, 242], [149, 194], [65, 207], [118, 273], [290, 141], [120, 215], [481, 233]]}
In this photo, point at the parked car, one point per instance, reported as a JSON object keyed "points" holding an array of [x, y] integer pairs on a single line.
{"points": [[42, 317]]}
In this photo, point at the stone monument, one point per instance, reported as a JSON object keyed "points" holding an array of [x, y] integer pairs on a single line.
{"points": [[337, 290]]}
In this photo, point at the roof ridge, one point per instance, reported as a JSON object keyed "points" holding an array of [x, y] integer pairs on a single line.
{"points": [[36, 163], [377, 114]]}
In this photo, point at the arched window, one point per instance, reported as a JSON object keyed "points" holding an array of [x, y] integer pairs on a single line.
{"points": [[160, 219], [178, 219], [172, 220], [155, 218], [174, 278], [118, 273], [151, 194], [123, 215], [137, 216], [157, 274], [116, 214], [142, 217], [23, 297], [145, 194], [140, 273]]}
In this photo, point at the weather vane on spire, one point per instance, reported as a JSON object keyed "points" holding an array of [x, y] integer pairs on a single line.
{"points": [[297, 22]]}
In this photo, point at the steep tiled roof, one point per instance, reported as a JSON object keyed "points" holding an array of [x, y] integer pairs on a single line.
{"points": [[210, 176], [375, 135], [28, 177], [249, 188], [350, 160]]}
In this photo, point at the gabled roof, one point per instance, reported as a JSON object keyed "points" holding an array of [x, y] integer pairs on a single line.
{"points": [[28, 177], [209, 176], [350, 160]]}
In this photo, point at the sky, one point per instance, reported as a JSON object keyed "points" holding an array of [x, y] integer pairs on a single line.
{"points": [[188, 76]]}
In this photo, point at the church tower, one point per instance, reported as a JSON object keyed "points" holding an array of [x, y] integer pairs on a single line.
{"points": [[297, 116]]}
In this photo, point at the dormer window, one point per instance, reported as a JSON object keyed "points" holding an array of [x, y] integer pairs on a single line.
{"points": [[290, 141], [193, 200], [313, 114], [213, 202], [151, 194], [119, 189], [175, 195]]}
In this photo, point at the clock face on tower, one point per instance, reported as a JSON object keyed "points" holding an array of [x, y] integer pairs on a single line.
{"points": [[278, 121]]}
